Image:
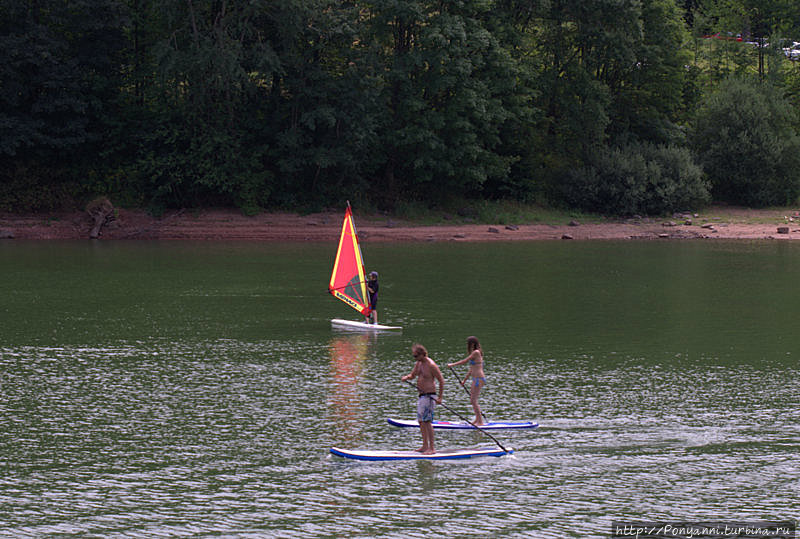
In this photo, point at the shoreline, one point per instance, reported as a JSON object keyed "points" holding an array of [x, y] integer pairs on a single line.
{"points": [[231, 225]]}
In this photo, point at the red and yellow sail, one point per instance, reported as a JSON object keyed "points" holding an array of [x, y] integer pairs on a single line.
{"points": [[347, 280]]}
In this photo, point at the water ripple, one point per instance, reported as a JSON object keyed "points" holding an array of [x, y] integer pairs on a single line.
{"points": [[231, 437]]}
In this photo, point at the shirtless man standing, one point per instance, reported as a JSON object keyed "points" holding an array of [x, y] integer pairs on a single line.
{"points": [[427, 373]]}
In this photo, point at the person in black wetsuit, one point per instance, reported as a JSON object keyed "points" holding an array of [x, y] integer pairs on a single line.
{"points": [[372, 288]]}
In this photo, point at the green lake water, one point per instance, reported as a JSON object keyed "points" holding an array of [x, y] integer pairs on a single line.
{"points": [[185, 389]]}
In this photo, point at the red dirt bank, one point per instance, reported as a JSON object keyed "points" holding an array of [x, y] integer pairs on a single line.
{"points": [[283, 227]]}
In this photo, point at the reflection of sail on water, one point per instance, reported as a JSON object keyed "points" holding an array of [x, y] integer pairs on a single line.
{"points": [[347, 279], [348, 356]]}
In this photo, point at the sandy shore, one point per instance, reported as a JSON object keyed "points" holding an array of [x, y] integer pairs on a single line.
{"points": [[277, 227]]}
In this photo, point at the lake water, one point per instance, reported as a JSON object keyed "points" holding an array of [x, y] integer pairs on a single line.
{"points": [[178, 389]]}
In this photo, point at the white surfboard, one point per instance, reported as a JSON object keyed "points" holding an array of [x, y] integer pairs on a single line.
{"points": [[448, 454], [361, 326]]}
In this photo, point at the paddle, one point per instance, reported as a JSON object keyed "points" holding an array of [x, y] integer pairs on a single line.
{"points": [[467, 421], [465, 389]]}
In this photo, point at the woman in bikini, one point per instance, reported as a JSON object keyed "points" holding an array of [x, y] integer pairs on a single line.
{"points": [[475, 359]]}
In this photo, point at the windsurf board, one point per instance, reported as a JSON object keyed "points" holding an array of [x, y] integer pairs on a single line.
{"points": [[361, 326]]}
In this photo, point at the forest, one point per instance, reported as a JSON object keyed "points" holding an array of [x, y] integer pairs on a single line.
{"points": [[618, 107]]}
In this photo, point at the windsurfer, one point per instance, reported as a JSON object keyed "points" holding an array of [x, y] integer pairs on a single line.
{"points": [[427, 373], [372, 287], [475, 359]]}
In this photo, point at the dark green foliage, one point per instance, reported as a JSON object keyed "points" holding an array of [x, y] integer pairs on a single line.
{"points": [[302, 104], [59, 67], [574, 49], [637, 179], [199, 146], [448, 89], [745, 136], [28, 186], [321, 118], [648, 100]]}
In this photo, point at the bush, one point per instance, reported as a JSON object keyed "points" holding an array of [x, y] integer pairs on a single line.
{"points": [[745, 138], [30, 187], [637, 179]]}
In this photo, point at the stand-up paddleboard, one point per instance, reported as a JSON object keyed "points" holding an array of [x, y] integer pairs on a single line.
{"points": [[463, 425], [352, 325], [348, 282], [448, 454]]}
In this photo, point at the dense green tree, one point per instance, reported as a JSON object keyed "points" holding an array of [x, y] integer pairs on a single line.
{"points": [[321, 119], [768, 22], [259, 104], [57, 84], [192, 135], [521, 135], [445, 90], [611, 72], [758, 18], [574, 47], [746, 138], [648, 102], [300, 103], [60, 68], [638, 178]]}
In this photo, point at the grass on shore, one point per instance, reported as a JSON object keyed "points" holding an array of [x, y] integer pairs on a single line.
{"points": [[750, 216], [501, 212], [516, 213]]}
